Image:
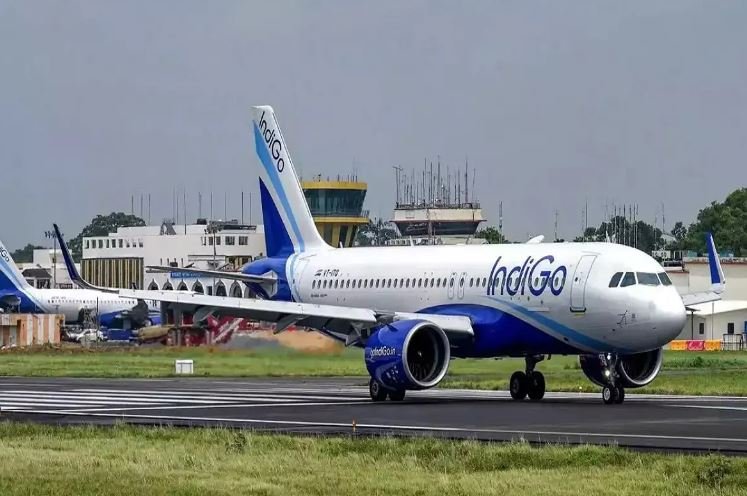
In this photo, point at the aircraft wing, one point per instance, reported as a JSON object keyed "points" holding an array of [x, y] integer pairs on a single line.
{"points": [[718, 281], [344, 322], [220, 274]]}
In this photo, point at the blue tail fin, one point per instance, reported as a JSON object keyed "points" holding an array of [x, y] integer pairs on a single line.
{"points": [[717, 273], [289, 226], [11, 278], [277, 240]]}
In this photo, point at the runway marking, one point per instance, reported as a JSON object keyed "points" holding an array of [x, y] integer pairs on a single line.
{"points": [[228, 405], [222, 395], [713, 407], [119, 400], [420, 428]]}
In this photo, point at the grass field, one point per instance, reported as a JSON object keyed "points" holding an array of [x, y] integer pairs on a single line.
{"points": [[44, 460], [717, 373]]}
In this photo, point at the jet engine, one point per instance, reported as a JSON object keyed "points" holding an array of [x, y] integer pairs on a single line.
{"points": [[408, 354], [634, 371]]}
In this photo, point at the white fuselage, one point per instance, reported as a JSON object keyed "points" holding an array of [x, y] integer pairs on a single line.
{"points": [[70, 302], [561, 289]]}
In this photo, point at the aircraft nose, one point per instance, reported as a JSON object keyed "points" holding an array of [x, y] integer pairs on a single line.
{"points": [[671, 318]]}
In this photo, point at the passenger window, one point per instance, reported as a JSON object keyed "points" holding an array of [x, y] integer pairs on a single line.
{"points": [[420, 283], [616, 279], [407, 283], [336, 283], [451, 283], [628, 280], [647, 279], [471, 280], [665, 279]]}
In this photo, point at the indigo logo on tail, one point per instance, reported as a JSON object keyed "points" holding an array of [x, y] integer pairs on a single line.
{"points": [[4, 254], [273, 143]]}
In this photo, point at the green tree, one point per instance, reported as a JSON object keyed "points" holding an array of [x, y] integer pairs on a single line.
{"points": [[621, 230], [492, 235], [376, 233], [727, 221], [25, 254], [101, 225]]}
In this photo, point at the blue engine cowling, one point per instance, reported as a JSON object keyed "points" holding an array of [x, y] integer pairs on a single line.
{"points": [[634, 371], [408, 354]]}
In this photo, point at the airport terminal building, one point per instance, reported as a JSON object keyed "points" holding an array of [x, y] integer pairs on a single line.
{"points": [[119, 259]]}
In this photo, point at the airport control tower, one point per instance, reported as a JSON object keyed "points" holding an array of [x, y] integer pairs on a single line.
{"points": [[432, 208], [337, 208]]}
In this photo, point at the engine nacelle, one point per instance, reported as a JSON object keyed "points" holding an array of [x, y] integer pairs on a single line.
{"points": [[408, 354], [634, 371]]}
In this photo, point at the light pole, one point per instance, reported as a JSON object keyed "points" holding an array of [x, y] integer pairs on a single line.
{"points": [[51, 234]]}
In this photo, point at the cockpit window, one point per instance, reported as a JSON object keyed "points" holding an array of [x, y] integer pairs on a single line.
{"points": [[616, 279], [665, 279], [647, 279], [628, 279]]}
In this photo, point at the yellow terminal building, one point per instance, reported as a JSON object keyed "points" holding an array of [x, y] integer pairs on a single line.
{"points": [[337, 208]]}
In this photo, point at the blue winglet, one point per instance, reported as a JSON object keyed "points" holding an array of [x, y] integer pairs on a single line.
{"points": [[69, 263], [717, 273]]}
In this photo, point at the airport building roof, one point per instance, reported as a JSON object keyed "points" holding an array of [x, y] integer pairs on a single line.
{"points": [[719, 307]]}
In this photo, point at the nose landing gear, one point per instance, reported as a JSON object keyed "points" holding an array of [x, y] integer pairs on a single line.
{"points": [[528, 383]]}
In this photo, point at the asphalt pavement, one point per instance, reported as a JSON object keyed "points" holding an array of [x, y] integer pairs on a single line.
{"points": [[342, 406]]}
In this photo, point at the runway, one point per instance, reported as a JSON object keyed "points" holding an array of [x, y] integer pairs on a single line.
{"points": [[342, 406]]}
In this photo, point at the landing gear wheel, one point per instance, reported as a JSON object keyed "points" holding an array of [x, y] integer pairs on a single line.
{"points": [[397, 395], [620, 396], [536, 386], [613, 394], [609, 393], [376, 390], [518, 385]]}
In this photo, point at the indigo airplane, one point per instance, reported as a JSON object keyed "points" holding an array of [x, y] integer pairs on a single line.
{"points": [[16, 293], [414, 308]]}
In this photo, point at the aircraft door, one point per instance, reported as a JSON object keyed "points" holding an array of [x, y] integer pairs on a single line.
{"points": [[578, 285], [461, 282], [298, 275], [450, 285]]}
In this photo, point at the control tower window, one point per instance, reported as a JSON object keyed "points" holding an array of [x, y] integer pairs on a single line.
{"points": [[616, 279], [628, 279]]}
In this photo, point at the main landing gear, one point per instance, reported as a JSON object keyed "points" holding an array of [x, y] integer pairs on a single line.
{"points": [[379, 393], [613, 392], [530, 382]]}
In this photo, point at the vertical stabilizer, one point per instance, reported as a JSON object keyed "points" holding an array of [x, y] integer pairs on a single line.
{"points": [[10, 277], [289, 226], [718, 281]]}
